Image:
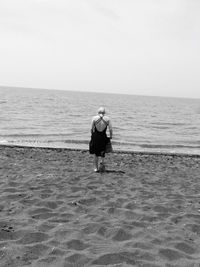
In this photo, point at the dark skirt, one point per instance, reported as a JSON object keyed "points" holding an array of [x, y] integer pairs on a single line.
{"points": [[98, 143]]}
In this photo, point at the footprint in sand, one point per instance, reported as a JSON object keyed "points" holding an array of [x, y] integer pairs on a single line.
{"points": [[122, 235], [77, 260], [186, 248], [170, 254], [33, 237], [76, 244]]}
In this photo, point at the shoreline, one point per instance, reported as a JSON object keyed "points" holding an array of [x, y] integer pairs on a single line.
{"points": [[173, 154], [144, 210]]}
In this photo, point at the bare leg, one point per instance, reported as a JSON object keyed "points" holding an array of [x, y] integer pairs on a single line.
{"points": [[102, 166], [102, 160], [95, 163]]}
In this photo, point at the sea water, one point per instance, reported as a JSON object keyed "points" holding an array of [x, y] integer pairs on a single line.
{"points": [[55, 118]]}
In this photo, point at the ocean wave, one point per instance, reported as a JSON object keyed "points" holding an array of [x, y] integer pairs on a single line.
{"points": [[159, 127], [119, 144], [169, 146], [36, 135], [169, 123]]}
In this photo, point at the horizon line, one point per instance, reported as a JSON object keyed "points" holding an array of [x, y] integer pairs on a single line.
{"points": [[94, 92]]}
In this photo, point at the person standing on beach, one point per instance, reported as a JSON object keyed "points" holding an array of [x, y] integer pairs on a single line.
{"points": [[99, 137]]}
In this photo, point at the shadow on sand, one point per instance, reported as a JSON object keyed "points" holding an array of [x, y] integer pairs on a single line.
{"points": [[112, 171]]}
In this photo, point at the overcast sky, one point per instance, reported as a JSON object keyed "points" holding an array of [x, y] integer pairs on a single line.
{"points": [[145, 47]]}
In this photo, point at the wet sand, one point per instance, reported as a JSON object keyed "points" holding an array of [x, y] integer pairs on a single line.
{"points": [[55, 211]]}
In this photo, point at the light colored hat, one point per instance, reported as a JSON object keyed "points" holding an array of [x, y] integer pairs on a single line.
{"points": [[101, 110]]}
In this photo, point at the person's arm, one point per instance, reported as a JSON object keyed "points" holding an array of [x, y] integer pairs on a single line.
{"points": [[92, 125], [110, 129]]}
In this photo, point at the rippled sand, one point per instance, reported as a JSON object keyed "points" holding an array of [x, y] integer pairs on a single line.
{"points": [[55, 211]]}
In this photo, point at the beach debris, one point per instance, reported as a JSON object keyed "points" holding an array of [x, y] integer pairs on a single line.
{"points": [[75, 203], [7, 228]]}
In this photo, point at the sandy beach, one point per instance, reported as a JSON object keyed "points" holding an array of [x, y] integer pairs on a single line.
{"points": [[55, 211]]}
